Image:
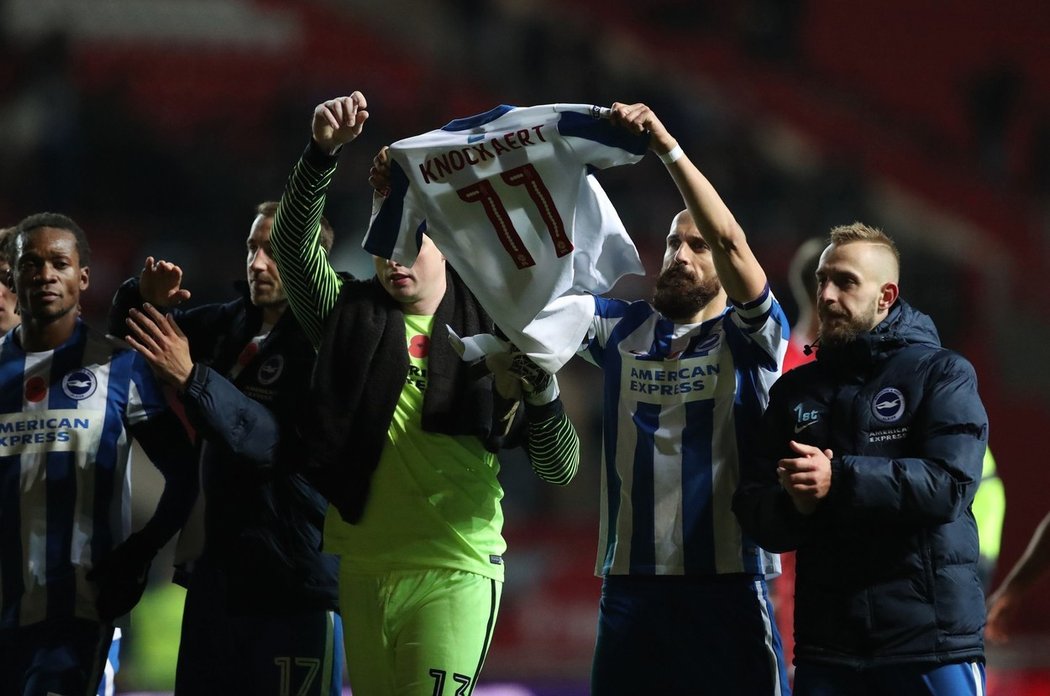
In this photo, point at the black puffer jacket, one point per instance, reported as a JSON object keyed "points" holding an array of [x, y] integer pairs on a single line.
{"points": [[263, 521], [887, 565]]}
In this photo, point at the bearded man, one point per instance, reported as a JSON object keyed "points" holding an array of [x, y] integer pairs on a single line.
{"points": [[866, 463], [684, 606]]}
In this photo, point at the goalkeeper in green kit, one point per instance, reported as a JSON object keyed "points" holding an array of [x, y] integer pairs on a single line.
{"points": [[402, 439]]}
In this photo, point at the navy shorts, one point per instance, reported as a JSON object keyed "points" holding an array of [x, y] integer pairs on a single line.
{"points": [[687, 635], [65, 656], [275, 654]]}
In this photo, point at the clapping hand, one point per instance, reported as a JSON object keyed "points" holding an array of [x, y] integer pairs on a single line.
{"points": [[161, 342], [160, 283]]}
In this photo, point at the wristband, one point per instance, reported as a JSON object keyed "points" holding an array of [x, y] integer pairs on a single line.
{"points": [[548, 394], [672, 156]]}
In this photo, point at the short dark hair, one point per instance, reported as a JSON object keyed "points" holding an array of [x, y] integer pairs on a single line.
{"points": [[268, 209], [59, 222]]}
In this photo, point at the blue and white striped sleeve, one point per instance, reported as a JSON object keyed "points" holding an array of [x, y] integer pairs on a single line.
{"points": [[765, 325], [145, 394], [607, 314]]}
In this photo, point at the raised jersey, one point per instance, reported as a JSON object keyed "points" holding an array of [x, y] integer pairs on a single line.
{"points": [[64, 478], [682, 403], [507, 197]]}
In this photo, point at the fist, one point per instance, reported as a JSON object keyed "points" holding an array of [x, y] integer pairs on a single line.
{"points": [[338, 121]]}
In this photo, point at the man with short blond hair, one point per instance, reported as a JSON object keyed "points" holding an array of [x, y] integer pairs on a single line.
{"points": [[866, 464], [860, 232]]}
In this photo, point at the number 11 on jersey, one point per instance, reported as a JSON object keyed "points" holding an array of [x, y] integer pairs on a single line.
{"points": [[527, 176]]}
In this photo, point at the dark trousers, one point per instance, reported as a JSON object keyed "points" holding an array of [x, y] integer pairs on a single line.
{"points": [[273, 654], [62, 656], [675, 635]]}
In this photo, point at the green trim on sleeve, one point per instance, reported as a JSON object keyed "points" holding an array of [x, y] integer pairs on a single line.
{"points": [[309, 281], [554, 449]]}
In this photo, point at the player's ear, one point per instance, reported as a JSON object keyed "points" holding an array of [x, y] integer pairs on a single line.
{"points": [[888, 294]]}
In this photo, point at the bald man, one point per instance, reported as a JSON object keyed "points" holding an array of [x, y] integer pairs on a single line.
{"points": [[684, 606], [866, 464]]}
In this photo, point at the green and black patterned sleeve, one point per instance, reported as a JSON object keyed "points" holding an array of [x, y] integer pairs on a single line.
{"points": [[553, 445], [309, 281]]}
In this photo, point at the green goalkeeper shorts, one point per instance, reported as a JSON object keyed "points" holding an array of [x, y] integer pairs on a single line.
{"points": [[417, 632]]}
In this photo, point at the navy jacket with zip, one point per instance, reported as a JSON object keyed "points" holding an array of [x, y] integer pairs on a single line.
{"points": [[263, 521], [886, 569]]}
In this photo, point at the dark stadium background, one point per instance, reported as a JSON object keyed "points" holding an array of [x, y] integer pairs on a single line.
{"points": [[158, 124]]}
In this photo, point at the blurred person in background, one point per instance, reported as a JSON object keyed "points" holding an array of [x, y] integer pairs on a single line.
{"points": [[866, 463], [8, 300], [1030, 567], [802, 278], [684, 605], [403, 439], [72, 401], [261, 605], [989, 509]]}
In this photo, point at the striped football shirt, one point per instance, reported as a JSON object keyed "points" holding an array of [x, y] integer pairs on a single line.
{"points": [[681, 403], [64, 477]]}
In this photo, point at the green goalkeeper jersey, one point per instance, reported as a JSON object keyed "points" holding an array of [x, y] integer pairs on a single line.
{"points": [[434, 501]]}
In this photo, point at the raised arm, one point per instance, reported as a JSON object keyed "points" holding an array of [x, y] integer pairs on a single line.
{"points": [[738, 269], [309, 281], [159, 283]]}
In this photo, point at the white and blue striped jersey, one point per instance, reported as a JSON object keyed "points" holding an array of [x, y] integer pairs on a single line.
{"points": [[507, 197], [682, 402], [65, 482]]}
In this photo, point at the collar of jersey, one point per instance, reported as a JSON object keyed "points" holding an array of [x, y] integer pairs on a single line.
{"points": [[679, 330], [476, 120]]}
